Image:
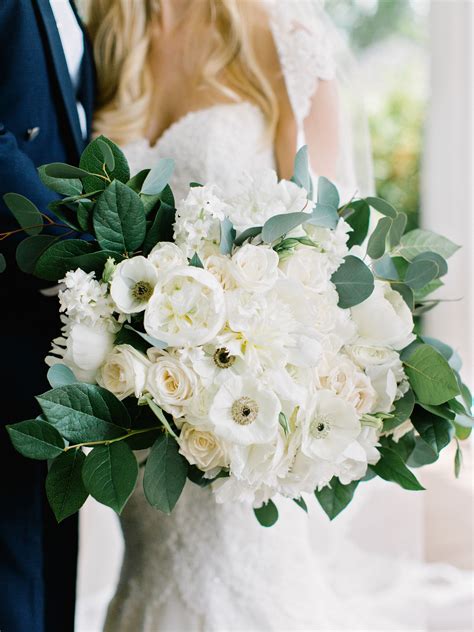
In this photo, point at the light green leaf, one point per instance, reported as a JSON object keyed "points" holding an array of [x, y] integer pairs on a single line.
{"points": [[418, 241], [64, 486], [421, 272], [92, 160], [327, 193], [158, 177], [68, 187], [354, 282], [110, 473], [25, 213], [398, 228], [108, 155], [301, 175], [165, 474], [36, 439], [267, 514], [384, 268], [390, 467], [323, 215], [227, 236], [280, 225], [60, 375], [430, 376], [335, 497], [435, 431], [382, 206], [377, 240], [458, 461]]}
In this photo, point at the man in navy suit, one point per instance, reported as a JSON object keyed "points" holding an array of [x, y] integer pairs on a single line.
{"points": [[46, 98]]}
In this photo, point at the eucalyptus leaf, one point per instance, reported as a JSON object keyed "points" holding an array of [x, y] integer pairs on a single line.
{"points": [[359, 221], [406, 293], [68, 187], [397, 229], [435, 258], [64, 172], [60, 375], [382, 206], [418, 241], [165, 474], [323, 215], [377, 241], [158, 177], [301, 174], [247, 234], [420, 272], [354, 282], [108, 155], [92, 160], [335, 497], [196, 261], [280, 225], [327, 193], [267, 514], [430, 376], [29, 250], [384, 268], [227, 236], [64, 486], [36, 439], [25, 213], [391, 467]]}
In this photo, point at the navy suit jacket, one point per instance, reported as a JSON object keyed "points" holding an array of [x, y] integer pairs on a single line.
{"points": [[37, 557]]}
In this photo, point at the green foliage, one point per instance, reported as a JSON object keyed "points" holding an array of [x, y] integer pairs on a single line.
{"points": [[358, 219], [93, 161], [158, 177], [354, 282], [301, 174], [435, 431], [25, 213], [430, 375], [391, 467], [267, 514], [165, 474], [60, 375], [301, 503], [335, 497], [29, 250], [36, 439], [65, 187], [403, 408], [65, 489], [227, 236], [377, 240], [3, 263], [418, 241]]}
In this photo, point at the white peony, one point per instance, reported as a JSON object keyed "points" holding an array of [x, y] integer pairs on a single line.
{"points": [[132, 284], [201, 448], [309, 267], [243, 412], [170, 382], [165, 256], [124, 372], [187, 308], [384, 319], [329, 425], [255, 268]]}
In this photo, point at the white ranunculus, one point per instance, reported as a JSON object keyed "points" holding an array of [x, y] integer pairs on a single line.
{"points": [[255, 268], [187, 308], [166, 256], [308, 266], [132, 284], [124, 372], [170, 382], [384, 319], [329, 425], [83, 349], [201, 448], [243, 412]]}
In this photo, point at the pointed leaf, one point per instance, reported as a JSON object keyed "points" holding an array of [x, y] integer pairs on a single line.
{"points": [[68, 187], [165, 474], [418, 241], [247, 234], [158, 177], [435, 431], [430, 376], [25, 213], [359, 221], [92, 160], [391, 468], [108, 155], [280, 225], [335, 497], [64, 172], [36, 439], [64, 486]]}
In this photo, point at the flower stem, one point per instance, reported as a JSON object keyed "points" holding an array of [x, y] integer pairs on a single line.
{"points": [[130, 433], [159, 413]]}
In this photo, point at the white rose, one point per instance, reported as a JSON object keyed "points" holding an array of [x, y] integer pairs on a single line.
{"points": [[384, 319], [220, 268], [187, 308], [366, 356], [329, 425], [132, 284], [308, 266], [166, 256], [255, 268], [124, 372], [243, 412], [170, 382], [201, 448]]}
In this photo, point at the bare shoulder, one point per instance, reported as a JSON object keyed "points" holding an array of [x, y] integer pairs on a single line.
{"points": [[262, 39]]}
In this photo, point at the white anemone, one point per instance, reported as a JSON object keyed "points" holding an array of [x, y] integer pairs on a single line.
{"points": [[133, 284]]}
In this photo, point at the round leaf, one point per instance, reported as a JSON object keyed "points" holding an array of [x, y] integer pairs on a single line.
{"points": [[60, 375], [36, 439], [420, 272], [267, 514], [29, 250], [280, 225], [107, 154], [327, 193], [354, 282], [25, 213], [64, 486]]}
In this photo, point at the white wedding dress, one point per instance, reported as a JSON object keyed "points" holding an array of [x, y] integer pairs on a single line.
{"points": [[210, 567]]}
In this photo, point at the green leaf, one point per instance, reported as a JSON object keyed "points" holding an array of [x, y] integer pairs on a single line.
{"points": [[430, 376], [196, 261], [84, 412], [442, 347], [403, 447], [422, 454], [108, 155], [36, 439], [398, 228], [60, 375], [63, 171], [301, 175], [25, 213], [354, 282], [68, 187], [301, 503], [403, 409], [119, 219], [60, 257], [335, 497], [92, 160], [161, 229], [323, 215], [435, 431], [227, 236], [165, 474], [267, 514], [64, 214], [420, 272], [110, 473], [283, 421], [3, 263], [84, 208], [137, 181], [391, 467], [359, 221], [384, 268], [29, 250], [457, 461], [64, 486], [435, 258], [158, 177], [382, 206], [327, 193], [406, 293], [280, 225], [419, 241], [154, 342], [247, 234], [377, 240]]}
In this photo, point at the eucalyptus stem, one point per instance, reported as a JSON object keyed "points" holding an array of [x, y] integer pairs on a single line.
{"points": [[130, 433]]}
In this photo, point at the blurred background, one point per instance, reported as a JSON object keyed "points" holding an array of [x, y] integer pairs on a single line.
{"points": [[417, 80]]}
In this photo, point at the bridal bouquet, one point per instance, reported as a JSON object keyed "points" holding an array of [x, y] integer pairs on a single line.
{"points": [[252, 340]]}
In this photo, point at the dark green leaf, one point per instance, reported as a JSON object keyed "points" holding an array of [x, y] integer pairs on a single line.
{"points": [[92, 160], [154, 342], [95, 261], [84, 218], [60, 375], [421, 454], [382, 206], [110, 473], [267, 514], [64, 172], [335, 497], [3, 263], [377, 240], [420, 272], [431, 377], [60, 257], [64, 486], [247, 234], [391, 467], [359, 221], [406, 293], [403, 409], [36, 439], [29, 250], [64, 214], [165, 474], [404, 446], [161, 229], [196, 261], [71, 186], [158, 177], [354, 282], [25, 213], [137, 181], [108, 155], [435, 431], [301, 503]]}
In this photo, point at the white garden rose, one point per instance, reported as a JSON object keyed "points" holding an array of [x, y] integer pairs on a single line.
{"points": [[384, 319], [365, 356], [220, 268], [244, 413], [329, 425], [201, 448], [124, 372], [166, 256], [255, 268], [170, 382], [308, 266], [132, 284], [187, 308]]}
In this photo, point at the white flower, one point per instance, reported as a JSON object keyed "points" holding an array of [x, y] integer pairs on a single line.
{"points": [[329, 425], [352, 466], [124, 372], [170, 382], [132, 284], [220, 268], [165, 256], [384, 319], [201, 448], [332, 242], [198, 221], [255, 268], [84, 298], [187, 308], [83, 349], [244, 413], [308, 266]]}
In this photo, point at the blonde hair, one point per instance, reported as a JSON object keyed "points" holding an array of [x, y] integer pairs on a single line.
{"points": [[120, 31]]}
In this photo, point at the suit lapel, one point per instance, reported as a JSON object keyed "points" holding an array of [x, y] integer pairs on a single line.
{"points": [[62, 73]]}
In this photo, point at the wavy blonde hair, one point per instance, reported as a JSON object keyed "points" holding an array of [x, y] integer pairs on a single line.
{"points": [[120, 32]]}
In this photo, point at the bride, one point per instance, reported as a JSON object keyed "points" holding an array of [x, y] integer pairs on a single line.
{"points": [[224, 87]]}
